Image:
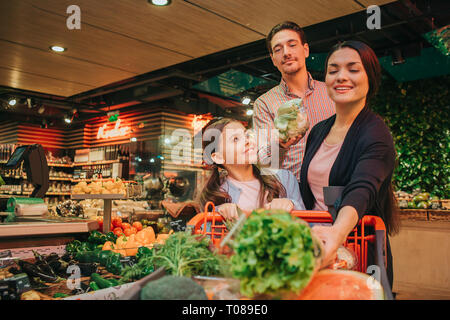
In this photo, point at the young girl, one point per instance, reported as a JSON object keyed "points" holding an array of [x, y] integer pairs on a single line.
{"points": [[236, 180]]}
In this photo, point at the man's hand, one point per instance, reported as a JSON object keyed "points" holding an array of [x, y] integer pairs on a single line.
{"points": [[290, 142], [282, 204]]}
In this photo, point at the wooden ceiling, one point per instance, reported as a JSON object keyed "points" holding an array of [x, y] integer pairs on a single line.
{"points": [[120, 39]]}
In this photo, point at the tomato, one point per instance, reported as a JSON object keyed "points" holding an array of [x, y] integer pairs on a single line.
{"points": [[137, 225], [117, 222], [129, 231], [100, 223], [133, 230], [118, 231], [125, 225]]}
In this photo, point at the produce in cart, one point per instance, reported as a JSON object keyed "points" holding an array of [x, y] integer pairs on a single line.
{"points": [[274, 254]]}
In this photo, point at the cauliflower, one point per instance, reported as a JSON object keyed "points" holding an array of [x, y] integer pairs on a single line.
{"points": [[291, 120]]}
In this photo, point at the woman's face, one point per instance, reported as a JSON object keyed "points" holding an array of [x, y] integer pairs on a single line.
{"points": [[236, 146], [346, 78]]}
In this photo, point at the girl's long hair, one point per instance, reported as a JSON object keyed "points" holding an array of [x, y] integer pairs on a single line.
{"points": [[212, 190]]}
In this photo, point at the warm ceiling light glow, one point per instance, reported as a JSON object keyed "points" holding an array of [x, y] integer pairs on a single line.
{"points": [[12, 102], [160, 2], [250, 112], [57, 49], [246, 101], [133, 139], [67, 120]]}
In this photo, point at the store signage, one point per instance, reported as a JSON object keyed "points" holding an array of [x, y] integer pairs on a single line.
{"points": [[199, 121], [115, 132]]}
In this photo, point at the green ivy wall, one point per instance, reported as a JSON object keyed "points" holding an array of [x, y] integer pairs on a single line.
{"points": [[418, 113]]}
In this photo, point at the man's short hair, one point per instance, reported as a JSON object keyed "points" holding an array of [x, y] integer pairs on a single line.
{"points": [[286, 25]]}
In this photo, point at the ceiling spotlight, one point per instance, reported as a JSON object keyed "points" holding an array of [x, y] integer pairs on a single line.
{"points": [[41, 109], [159, 2], [133, 139], [67, 119], [249, 112], [12, 102], [167, 141], [246, 101], [152, 160], [57, 49]]}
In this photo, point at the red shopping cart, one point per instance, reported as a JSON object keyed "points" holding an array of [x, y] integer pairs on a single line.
{"points": [[370, 231]]}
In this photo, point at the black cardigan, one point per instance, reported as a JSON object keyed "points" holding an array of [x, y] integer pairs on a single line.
{"points": [[364, 166]]}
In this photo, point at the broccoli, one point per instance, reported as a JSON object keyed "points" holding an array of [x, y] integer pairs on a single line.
{"points": [[173, 288]]}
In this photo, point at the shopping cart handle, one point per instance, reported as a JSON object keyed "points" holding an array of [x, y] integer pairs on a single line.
{"points": [[379, 260]]}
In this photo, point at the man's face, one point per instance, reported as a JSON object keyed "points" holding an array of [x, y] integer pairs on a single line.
{"points": [[288, 52]]}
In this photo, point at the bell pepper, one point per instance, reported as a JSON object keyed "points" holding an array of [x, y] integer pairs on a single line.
{"points": [[113, 263], [88, 256], [97, 238], [110, 236], [142, 251], [104, 255], [72, 247]]}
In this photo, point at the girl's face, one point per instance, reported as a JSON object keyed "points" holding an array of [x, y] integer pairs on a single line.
{"points": [[236, 146], [346, 78]]}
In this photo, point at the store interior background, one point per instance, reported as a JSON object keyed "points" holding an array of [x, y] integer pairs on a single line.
{"points": [[166, 68]]}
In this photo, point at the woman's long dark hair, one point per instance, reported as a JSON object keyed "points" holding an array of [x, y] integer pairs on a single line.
{"points": [[212, 190], [389, 209]]}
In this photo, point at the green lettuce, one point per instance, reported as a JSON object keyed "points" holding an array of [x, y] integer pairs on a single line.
{"points": [[274, 253]]}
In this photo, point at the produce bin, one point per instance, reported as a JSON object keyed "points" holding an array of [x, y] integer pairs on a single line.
{"points": [[370, 230]]}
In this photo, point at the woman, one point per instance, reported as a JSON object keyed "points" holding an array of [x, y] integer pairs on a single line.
{"points": [[236, 180], [353, 148]]}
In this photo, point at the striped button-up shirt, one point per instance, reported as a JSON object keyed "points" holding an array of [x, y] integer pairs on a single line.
{"points": [[318, 107]]}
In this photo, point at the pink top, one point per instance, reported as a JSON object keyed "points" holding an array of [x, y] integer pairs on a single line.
{"points": [[249, 196], [319, 172]]}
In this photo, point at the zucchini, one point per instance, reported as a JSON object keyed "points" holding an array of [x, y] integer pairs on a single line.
{"points": [[101, 282]]}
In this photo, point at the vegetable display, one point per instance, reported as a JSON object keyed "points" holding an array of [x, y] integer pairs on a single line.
{"points": [[184, 254], [274, 253], [291, 120]]}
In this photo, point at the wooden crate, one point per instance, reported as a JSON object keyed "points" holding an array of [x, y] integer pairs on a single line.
{"points": [[439, 215], [414, 214], [445, 203]]}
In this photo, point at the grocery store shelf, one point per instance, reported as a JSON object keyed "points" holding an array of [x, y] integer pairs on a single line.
{"points": [[62, 165], [79, 164], [98, 196], [46, 227], [28, 193], [50, 178]]}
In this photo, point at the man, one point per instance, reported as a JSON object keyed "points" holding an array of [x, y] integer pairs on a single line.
{"points": [[288, 49]]}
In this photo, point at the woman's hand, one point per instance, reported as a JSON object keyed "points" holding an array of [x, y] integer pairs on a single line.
{"points": [[281, 203], [228, 211], [331, 240]]}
